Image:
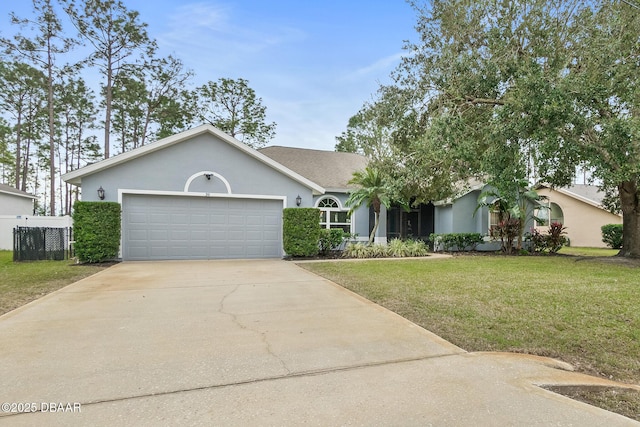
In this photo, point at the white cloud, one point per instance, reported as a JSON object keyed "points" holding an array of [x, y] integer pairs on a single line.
{"points": [[381, 66], [211, 32]]}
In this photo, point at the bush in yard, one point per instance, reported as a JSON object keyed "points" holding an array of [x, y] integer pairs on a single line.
{"points": [[364, 250], [507, 231], [96, 231], [407, 248], [301, 231], [556, 238], [397, 248], [537, 239], [552, 242], [459, 241], [331, 239], [612, 235]]}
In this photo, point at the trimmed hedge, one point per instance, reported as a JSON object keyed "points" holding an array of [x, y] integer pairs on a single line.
{"points": [[612, 235], [459, 241], [301, 231], [96, 231]]}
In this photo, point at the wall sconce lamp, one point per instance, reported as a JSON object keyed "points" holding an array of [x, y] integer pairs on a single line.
{"points": [[298, 200], [101, 193], [208, 175]]}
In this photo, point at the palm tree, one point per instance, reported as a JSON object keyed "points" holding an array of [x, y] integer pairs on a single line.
{"points": [[520, 207], [373, 191]]}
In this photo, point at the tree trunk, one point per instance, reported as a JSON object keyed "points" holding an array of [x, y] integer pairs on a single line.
{"points": [[18, 171], [376, 209], [108, 102], [372, 236], [52, 148], [630, 203]]}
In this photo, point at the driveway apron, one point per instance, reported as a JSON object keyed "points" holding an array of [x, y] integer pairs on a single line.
{"points": [[260, 342]]}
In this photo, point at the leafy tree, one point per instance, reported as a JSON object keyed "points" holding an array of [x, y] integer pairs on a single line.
{"points": [[373, 191], [76, 115], [515, 208], [22, 98], [366, 134], [7, 160], [116, 34], [524, 90], [605, 77], [42, 50], [151, 101], [232, 106]]}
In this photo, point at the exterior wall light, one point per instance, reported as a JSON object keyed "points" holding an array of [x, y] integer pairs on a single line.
{"points": [[298, 200], [101, 193]]}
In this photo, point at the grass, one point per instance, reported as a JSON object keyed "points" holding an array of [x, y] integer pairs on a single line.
{"points": [[26, 281], [580, 310], [578, 251]]}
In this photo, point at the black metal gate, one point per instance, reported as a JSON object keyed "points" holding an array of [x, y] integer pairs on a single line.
{"points": [[41, 243]]}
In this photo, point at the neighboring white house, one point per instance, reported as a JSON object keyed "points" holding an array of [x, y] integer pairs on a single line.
{"points": [[15, 202], [16, 210]]}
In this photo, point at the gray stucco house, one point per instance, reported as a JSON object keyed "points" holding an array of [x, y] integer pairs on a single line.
{"points": [[202, 194]]}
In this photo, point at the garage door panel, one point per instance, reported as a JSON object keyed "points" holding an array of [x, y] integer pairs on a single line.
{"points": [[158, 218], [168, 227], [236, 218]]}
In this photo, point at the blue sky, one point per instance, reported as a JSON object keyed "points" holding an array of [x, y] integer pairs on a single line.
{"points": [[313, 63]]}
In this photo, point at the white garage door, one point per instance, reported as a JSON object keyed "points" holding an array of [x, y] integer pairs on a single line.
{"points": [[175, 227]]}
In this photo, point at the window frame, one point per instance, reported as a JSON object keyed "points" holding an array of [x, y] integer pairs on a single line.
{"points": [[336, 207]]}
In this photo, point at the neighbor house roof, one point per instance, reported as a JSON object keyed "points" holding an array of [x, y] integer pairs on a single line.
{"points": [[75, 177], [7, 189], [331, 169], [589, 194]]}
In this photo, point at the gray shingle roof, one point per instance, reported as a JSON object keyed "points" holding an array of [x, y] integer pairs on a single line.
{"points": [[330, 169], [590, 192], [4, 188]]}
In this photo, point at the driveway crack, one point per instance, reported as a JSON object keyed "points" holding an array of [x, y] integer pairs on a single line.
{"points": [[263, 334]]}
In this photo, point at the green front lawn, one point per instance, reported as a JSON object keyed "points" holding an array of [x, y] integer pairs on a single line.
{"points": [[578, 251], [585, 311], [21, 282]]}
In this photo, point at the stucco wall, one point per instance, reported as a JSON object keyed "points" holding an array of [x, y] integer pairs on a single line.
{"points": [[169, 169], [459, 217], [15, 205], [360, 218], [583, 221]]}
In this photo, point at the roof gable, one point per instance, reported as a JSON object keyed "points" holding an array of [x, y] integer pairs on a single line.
{"points": [[589, 194], [75, 177]]}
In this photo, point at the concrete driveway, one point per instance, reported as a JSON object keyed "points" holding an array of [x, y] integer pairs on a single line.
{"points": [[255, 343]]}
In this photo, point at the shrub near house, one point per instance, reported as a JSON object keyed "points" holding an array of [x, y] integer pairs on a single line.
{"points": [[96, 229], [612, 235], [301, 231]]}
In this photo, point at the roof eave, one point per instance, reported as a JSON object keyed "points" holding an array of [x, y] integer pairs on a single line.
{"points": [[75, 177], [26, 195]]}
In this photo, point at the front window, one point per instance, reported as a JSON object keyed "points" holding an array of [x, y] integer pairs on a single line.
{"points": [[549, 214], [494, 218], [332, 215]]}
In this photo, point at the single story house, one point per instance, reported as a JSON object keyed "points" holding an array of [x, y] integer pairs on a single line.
{"points": [[202, 194], [15, 202], [579, 208], [16, 210]]}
